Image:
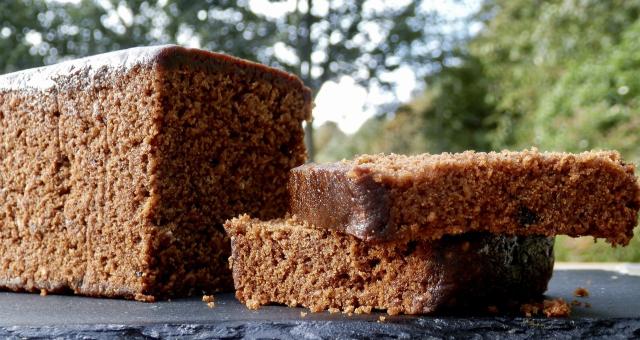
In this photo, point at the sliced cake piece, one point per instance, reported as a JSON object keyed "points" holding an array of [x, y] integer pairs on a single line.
{"points": [[118, 170], [380, 197], [288, 261]]}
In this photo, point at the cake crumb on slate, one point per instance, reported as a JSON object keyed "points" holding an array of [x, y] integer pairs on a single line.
{"points": [[581, 292], [556, 308], [551, 308]]}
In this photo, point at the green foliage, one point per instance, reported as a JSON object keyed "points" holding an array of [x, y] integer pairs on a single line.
{"points": [[459, 115], [585, 249], [596, 103], [527, 46], [16, 21]]}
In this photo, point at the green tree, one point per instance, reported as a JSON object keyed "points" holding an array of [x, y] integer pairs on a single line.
{"points": [[527, 46], [596, 103], [459, 116], [16, 22]]}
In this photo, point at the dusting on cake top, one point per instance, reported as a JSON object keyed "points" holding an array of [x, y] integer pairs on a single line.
{"points": [[43, 78], [46, 77]]}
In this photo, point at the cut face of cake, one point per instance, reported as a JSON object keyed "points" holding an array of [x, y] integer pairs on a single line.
{"points": [[290, 262], [117, 171], [382, 197]]}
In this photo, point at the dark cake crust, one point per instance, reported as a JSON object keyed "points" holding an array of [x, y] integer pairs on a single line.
{"points": [[290, 262], [383, 197], [325, 195]]}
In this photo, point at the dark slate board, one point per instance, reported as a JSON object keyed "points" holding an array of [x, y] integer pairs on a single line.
{"points": [[614, 312]]}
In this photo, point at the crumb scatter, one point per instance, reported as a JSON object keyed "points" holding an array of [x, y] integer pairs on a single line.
{"points": [[581, 292]]}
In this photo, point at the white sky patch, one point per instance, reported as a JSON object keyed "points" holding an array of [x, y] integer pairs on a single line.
{"points": [[186, 37], [33, 38], [272, 10], [5, 32], [125, 14], [405, 80], [342, 102], [451, 9], [285, 53]]}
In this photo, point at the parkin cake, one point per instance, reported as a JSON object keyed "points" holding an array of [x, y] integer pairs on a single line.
{"points": [[290, 262], [427, 233], [380, 197], [118, 170]]}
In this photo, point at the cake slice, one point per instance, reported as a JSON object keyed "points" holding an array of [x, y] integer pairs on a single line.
{"points": [[117, 171], [382, 197], [288, 261]]}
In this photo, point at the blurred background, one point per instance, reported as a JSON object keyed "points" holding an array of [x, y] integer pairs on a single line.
{"points": [[395, 76]]}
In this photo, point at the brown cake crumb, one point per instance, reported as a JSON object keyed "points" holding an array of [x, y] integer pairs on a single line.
{"points": [[556, 308], [211, 304], [382, 318], [43, 292], [363, 310], [288, 261], [303, 314], [208, 298], [393, 311], [333, 310], [252, 304], [581, 292]]}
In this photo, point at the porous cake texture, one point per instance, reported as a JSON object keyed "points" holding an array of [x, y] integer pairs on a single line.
{"points": [[290, 262], [117, 171], [382, 197]]}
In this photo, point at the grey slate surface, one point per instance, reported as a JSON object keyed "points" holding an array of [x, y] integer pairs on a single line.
{"points": [[614, 312]]}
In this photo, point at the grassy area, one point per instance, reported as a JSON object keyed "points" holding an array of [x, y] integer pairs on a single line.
{"points": [[584, 249]]}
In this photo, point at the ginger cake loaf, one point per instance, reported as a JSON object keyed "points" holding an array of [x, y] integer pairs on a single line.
{"points": [[117, 171], [290, 262], [381, 197]]}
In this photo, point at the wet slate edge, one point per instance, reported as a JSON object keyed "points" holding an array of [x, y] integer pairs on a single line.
{"points": [[437, 328]]}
